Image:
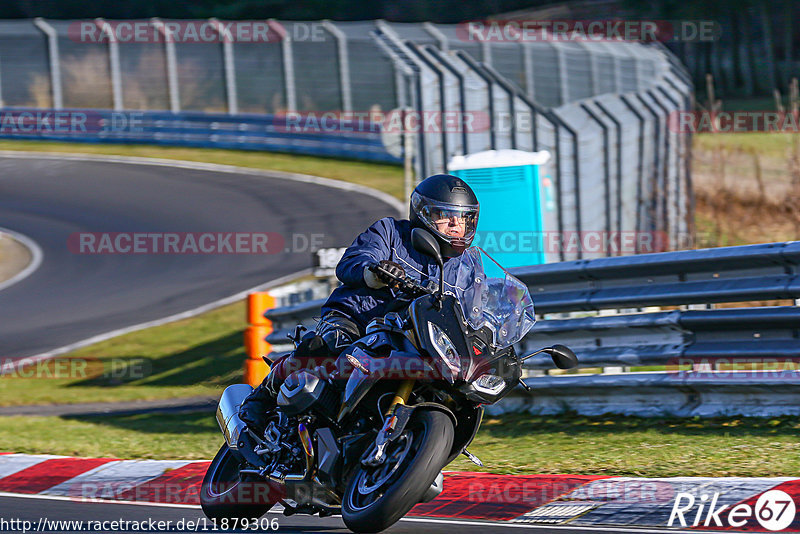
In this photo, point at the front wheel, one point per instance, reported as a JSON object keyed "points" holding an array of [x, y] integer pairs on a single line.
{"points": [[377, 497], [226, 494]]}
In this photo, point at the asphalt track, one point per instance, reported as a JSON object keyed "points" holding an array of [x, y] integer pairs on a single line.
{"points": [[36, 509], [72, 297]]}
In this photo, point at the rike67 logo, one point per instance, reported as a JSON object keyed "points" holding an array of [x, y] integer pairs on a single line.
{"points": [[774, 510]]}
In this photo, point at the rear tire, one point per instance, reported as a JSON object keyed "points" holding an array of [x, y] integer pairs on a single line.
{"points": [[225, 494], [371, 505]]}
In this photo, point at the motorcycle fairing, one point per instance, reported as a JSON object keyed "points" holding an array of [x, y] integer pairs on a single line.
{"points": [[399, 365], [424, 310]]}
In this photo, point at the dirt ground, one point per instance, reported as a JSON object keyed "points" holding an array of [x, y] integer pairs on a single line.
{"points": [[13, 257], [747, 190]]}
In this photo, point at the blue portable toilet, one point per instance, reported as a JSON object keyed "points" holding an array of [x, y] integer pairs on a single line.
{"points": [[514, 190]]}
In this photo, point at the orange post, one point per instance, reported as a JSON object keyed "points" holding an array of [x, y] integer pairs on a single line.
{"points": [[255, 344], [257, 304]]}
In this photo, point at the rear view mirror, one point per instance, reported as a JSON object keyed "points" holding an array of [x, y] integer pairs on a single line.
{"points": [[563, 356], [424, 243]]}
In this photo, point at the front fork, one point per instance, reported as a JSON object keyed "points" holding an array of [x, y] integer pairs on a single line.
{"points": [[402, 395], [386, 434]]}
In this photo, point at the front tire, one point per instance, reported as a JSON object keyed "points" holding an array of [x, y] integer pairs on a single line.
{"points": [[225, 494], [376, 498]]}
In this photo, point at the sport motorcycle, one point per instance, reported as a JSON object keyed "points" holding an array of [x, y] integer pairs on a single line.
{"points": [[370, 441]]}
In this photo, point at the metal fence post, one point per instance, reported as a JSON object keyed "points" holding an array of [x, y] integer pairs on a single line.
{"points": [[563, 90], [655, 206], [640, 181], [473, 65], [229, 66], [344, 64], [606, 164], [688, 102], [397, 49], [401, 72], [442, 97], [559, 123], [512, 95], [2, 103], [55, 62], [527, 66], [665, 168], [613, 53], [172, 65], [439, 55], [288, 63], [618, 126], [436, 33], [113, 63], [592, 66]]}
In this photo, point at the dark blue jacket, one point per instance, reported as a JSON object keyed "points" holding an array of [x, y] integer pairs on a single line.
{"points": [[387, 239]]}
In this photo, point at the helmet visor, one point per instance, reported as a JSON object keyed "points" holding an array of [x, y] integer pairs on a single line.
{"points": [[452, 222]]}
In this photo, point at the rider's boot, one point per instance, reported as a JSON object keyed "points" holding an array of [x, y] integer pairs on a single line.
{"points": [[316, 353]]}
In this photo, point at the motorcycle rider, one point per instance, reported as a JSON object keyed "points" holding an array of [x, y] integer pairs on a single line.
{"points": [[442, 204]]}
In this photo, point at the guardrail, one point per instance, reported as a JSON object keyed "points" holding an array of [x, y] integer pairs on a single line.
{"points": [[339, 138], [720, 361]]}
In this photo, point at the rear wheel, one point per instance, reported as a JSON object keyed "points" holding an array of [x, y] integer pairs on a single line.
{"points": [[377, 497], [225, 493]]}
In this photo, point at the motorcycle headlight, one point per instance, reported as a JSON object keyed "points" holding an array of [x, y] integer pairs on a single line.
{"points": [[445, 348], [491, 384]]}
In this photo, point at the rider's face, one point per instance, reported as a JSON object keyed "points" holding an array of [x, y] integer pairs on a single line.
{"points": [[453, 226]]}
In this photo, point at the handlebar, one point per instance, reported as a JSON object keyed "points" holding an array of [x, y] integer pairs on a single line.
{"points": [[403, 283]]}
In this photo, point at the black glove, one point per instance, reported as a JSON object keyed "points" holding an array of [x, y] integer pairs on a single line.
{"points": [[392, 268]]}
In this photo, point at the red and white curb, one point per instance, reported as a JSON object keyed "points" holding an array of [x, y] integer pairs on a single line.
{"points": [[576, 500]]}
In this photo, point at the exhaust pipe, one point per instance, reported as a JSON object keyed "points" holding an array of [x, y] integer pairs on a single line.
{"points": [[228, 413]]}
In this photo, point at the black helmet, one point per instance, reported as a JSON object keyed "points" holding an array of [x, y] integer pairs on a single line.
{"points": [[450, 201]]}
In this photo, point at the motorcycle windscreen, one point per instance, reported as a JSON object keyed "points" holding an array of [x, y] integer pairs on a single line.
{"points": [[492, 297]]}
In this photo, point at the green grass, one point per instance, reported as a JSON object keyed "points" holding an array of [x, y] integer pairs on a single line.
{"points": [[198, 356], [193, 436], [768, 145], [515, 444], [387, 178], [633, 446]]}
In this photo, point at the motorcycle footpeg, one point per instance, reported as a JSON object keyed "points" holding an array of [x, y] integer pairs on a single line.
{"points": [[472, 458], [247, 445]]}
